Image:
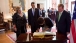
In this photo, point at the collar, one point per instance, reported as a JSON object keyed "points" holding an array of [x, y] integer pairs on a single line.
{"points": [[61, 12], [33, 8]]}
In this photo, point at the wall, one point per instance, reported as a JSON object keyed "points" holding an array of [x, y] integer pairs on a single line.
{"points": [[4, 7], [42, 2], [70, 4], [16, 2], [27, 4]]}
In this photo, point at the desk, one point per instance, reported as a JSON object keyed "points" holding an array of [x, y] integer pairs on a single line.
{"points": [[59, 38]]}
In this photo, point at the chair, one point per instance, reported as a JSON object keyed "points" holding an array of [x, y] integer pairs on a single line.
{"points": [[3, 25]]}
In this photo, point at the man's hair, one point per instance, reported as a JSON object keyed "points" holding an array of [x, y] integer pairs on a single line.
{"points": [[61, 5], [32, 3], [40, 20]]}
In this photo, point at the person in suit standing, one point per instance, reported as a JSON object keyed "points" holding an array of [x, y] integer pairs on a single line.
{"points": [[43, 12], [19, 22], [63, 20], [52, 14], [33, 15], [49, 12]]}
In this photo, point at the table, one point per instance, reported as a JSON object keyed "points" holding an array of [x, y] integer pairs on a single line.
{"points": [[59, 38]]}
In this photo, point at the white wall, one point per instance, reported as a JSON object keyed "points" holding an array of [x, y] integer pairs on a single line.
{"points": [[42, 2], [16, 3], [69, 8], [70, 4], [28, 4], [4, 7], [49, 4], [58, 2]]}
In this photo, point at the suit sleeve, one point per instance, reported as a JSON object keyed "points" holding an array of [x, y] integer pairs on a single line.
{"points": [[48, 11], [68, 19], [38, 12], [56, 16]]}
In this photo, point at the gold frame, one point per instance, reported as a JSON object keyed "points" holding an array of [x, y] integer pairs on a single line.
{"points": [[10, 6]]}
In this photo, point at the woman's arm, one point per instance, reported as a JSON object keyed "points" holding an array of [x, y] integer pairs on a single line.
{"points": [[14, 20]]}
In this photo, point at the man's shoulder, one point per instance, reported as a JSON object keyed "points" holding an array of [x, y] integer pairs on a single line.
{"points": [[65, 11], [29, 9]]}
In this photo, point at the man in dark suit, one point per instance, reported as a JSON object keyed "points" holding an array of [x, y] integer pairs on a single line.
{"points": [[43, 12], [49, 12], [63, 20], [33, 15], [52, 14], [45, 23]]}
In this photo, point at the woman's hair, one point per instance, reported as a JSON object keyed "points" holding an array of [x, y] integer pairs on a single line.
{"points": [[18, 8]]}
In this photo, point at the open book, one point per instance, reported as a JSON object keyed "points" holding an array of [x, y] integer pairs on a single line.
{"points": [[43, 33]]}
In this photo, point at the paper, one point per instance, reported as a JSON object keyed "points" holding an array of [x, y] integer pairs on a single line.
{"points": [[43, 33]]}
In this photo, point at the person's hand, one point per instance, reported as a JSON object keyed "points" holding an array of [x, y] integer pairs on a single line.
{"points": [[29, 26], [37, 30], [14, 28], [45, 29], [68, 33]]}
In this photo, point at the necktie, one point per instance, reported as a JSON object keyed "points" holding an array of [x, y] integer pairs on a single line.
{"points": [[59, 16], [33, 11]]}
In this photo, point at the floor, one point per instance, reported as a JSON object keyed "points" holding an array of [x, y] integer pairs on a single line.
{"points": [[5, 39]]}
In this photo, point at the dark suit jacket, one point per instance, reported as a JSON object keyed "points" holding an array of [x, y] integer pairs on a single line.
{"points": [[32, 19], [43, 13], [63, 25], [53, 15], [49, 11]]}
